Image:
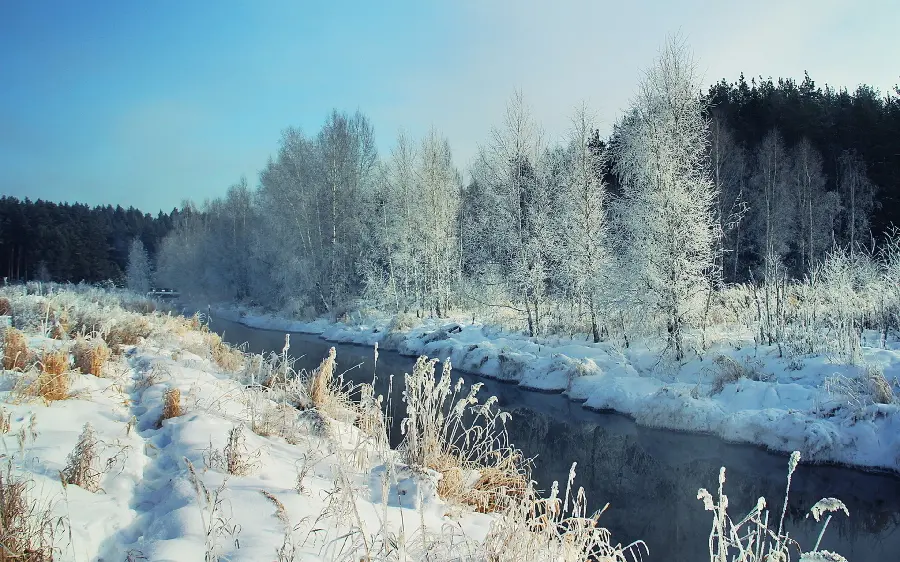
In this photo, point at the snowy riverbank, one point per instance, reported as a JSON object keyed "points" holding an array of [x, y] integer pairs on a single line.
{"points": [[736, 389]]}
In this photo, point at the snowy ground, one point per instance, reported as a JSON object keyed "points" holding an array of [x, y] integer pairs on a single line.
{"points": [[814, 404], [148, 506]]}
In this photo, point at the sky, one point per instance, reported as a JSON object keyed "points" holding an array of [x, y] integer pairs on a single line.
{"points": [[147, 104]]}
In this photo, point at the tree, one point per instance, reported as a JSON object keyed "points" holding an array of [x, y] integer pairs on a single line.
{"points": [[728, 163], [859, 197], [668, 225], [138, 273], [817, 209], [773, 212], [585, 252], [524, 233]]}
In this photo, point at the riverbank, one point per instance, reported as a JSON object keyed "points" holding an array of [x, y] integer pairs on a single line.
{"points": [[830, 411]]}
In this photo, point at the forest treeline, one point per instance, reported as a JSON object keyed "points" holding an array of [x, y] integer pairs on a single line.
{"points": [[690, 192], [40, 240]]}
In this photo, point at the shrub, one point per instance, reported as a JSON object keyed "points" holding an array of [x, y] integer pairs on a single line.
{"points": [[15, 349], [882, 393], [728, 370], [82, 463], [171, 405], [90, 356], [5, 307]]}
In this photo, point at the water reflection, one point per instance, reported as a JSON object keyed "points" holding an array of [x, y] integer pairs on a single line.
{"points": [[650, 477]]}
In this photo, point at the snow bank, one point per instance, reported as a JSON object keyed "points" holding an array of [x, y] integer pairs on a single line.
{"points": [[784, 404]]}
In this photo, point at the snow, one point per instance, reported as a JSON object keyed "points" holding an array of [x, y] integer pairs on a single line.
{"points": [[783, 404], [148, 505]]}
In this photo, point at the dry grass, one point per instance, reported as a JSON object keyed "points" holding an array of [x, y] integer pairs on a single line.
{"points": [[5, 421], [53, 381], [320, 381], [882, 393], [492, 489], [5, 307], [15, 350], [235, 458], [280, 510], [228, 358], [128, 332], [27, 529], [728, 370], [90, 356], [171, 405], [560, 529], [82, 463], [58, 332]]}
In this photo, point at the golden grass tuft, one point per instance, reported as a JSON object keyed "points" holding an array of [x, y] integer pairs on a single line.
{"points": [[5, 307], [280, 510], [228, 358], [319, 384], [59, 332], [490, 493], [90, 356], [26, 528], [128, 332], [53, 381], [171, 405], [15, 349]]}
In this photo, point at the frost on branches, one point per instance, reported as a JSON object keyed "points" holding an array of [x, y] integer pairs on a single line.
{"points": [[669, 228]]}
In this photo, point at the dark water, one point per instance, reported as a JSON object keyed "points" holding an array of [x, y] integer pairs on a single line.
{"points": [[650, 477]]}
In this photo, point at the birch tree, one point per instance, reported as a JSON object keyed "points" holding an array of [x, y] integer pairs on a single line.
{"points": [[669, 228], [773, 209], [728, 167], [509, 167], [586, 255], [816, 209], [858, 194]]}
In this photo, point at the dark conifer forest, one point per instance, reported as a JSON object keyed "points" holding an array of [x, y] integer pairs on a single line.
{"points": [[40, 240]]}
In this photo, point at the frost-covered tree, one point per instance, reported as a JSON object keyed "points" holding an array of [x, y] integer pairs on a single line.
{"points": [[138, 272], [585, 253], [773, 210], [816, 209], [859, 197], [439, 206], [668, 230], [415, 226], [728, 168], [510, 167]]}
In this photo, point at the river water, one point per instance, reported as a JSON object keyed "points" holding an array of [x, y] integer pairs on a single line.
{"points": [[649, 476]]}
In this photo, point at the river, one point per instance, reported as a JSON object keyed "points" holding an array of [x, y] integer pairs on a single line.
{"points": [[649, 476]]}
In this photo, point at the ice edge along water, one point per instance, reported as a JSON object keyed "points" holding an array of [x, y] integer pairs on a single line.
{"points": [[785, 406]]}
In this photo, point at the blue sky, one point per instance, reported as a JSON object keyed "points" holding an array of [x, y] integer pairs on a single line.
{"points": [[148, 103]]}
